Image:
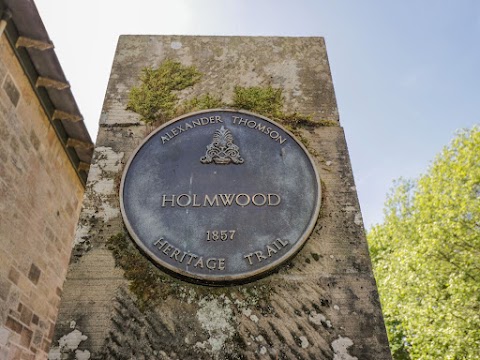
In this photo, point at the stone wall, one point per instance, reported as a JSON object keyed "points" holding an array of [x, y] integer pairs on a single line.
{"points": [[40, 199], [323, 304]]}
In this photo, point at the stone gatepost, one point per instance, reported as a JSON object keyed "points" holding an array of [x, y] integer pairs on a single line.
{"points": [[292, 277]]}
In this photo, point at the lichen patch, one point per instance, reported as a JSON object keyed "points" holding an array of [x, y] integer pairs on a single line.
{"points": [[358, 219], [216, 318], [68, 344], [340, 347], [81, 234], [304, 342], [319, 319], [109, 211]]}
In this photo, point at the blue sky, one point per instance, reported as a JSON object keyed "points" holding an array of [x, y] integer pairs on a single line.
{"points": [[406, 73]]}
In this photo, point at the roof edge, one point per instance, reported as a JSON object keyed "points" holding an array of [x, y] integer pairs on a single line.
{"points": [[31, 45]]}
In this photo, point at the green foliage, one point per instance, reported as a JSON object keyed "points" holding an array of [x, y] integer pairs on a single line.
{"points": [[426, 258], [156, 99], [203, 102], [148, 284], [152, 286], [267, 101]]}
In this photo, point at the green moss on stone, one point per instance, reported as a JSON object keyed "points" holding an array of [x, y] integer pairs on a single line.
{"points": [[269, 102], [315, 256], [203, 102], [266, 101], [151, 286], [332, 123], [147, 283], [156, 99]]}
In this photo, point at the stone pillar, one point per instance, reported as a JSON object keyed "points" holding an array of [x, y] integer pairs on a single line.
{"points": [[322, 304]]}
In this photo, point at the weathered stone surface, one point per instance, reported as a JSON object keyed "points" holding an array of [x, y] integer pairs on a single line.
{"points": [[323, 304], [300, 69]]}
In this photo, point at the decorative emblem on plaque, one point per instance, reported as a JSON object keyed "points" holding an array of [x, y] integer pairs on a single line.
{"points": [[222, 150]]}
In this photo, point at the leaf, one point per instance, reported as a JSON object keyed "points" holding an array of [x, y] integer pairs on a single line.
{"points": [[426, 257]]}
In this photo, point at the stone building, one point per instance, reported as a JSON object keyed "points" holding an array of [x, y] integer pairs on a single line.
{"points": [[323, 304], [45, 152]]}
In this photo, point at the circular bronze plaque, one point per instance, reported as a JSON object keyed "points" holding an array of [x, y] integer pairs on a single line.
{"points": [[220, 196]]}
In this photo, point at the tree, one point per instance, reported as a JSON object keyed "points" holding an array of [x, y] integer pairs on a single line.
{"points": [[426, 257]]}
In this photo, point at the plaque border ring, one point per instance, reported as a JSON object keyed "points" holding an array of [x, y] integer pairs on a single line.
{"points": [[228, 278]]}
